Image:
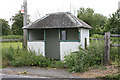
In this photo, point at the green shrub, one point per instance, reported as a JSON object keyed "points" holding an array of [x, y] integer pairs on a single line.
{"points": [[115, 39], [97, 49], [8, 53], [78, 61], [97, 36], [18, 57], [114, 53], [59, 64], [12, 37], [30, 58], [81, 60]]}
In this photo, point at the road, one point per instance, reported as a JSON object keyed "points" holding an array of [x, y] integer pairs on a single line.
{"points": [[16, 76], [22, 77]]}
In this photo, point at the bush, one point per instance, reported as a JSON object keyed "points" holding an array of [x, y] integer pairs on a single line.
{"points": [[97, 49], [18, 57], [59, 64], [97, 36], [81, 60], [78, 61], [114, 53], [30, 58], [8, 54], [12, 37], [115, 40]]}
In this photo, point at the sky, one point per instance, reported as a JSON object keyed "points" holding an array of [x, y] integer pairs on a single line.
{"points": [[39, 8]]}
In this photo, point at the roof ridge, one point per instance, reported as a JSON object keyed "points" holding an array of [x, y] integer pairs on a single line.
{"points": [[60, 13], [76, 19], [84, 23]]}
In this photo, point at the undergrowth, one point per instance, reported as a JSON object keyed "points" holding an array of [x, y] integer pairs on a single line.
{"points": [[78, 61], [18, 57]]}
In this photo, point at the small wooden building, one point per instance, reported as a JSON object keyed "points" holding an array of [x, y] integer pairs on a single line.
{"points": [[57, 34]]}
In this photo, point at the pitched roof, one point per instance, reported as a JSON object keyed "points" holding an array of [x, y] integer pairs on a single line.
{"points": [[58, 20]]}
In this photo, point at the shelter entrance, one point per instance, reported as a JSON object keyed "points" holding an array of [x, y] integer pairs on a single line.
{"points": [[52, 45]]}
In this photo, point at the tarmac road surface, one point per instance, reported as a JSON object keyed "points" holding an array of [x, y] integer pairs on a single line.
{"points": [[16, 76]]}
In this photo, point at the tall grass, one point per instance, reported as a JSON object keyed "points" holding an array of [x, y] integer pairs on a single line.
{"points": [[114, 53], [78, 61], [15, 45], [97, 48], [18, 57], [81, 60]]}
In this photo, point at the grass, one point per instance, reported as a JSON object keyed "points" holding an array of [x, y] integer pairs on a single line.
{"points": [[5, 46], [12, 44], [13, 55], [97, 48]]}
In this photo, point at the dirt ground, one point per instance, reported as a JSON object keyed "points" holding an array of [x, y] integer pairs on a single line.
{"points": [[93, 73]]}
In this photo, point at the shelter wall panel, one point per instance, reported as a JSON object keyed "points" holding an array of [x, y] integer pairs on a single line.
{"points": [[37, 47], [84, 34], [67, 47]]}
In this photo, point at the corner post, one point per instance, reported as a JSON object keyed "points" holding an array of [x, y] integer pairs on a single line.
{"points": [[107, 49], [85, 43], [119, 47]]}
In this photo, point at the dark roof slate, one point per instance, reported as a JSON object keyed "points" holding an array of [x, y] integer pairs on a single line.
{"points": [[57, 20]]}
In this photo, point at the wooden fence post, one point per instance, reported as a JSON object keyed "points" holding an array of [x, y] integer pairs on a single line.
{"points": [[119, 59], [24, 39], [85, 43], [107, 49]]}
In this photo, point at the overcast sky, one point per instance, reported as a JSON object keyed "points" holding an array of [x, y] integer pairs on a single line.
{"points": [[38, 8]]}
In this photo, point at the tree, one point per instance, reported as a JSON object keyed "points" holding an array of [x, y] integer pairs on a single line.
{"points": [[18, 23], [95, 20], [5, 27], [113, 23]]}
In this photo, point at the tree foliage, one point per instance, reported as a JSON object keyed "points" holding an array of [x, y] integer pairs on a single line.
{"points": [[95, 20], [113, 23], [5, 27], [18, 23]]}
